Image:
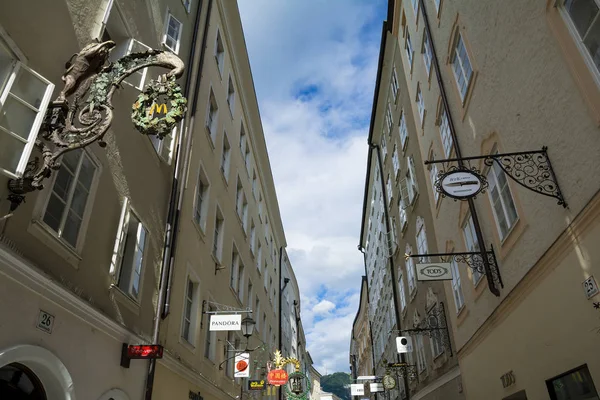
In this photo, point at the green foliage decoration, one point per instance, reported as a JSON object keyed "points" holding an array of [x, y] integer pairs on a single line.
{"points": [[293, 396]]}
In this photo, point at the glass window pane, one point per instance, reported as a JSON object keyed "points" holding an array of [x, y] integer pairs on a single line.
{"points": [[71, 229], [592, 43], [71, 159], [86, 173], [11, 151], [54, 212], [62, 183], [79, 201], [7, 63], [582, 13], [29, 88], [17, 117]]}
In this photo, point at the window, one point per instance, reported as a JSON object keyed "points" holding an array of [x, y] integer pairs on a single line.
{"points": [[231, 95], [383, 146], [388, 118], [240, 279], [420, 103], [247, 158], [258, 257], [421, 363], [172, 33], [410, 270], [264, 325], [256, 311], [266, 274], [164, 146], [24, 96], [249, 294], [402, 294], [210, 346], [138, 78], [427, 56], [271, 285], [239, 198], [242, 140], [187, 4], [422, 247], [394, 85], [461, 65], [471, 243], [584, 18], [254, 180], [437, 346], [229, 353], [437, 5], [212, 117], [70, 195], [219, 52], [388, 188], [131, 241], [252, 237], [201, 200], [576, 384], [459, 299], [433, 173], [408, 185], [225, 157], [403, 131], [218, 238], [189, 312], [415, 5], [402, 213], [245, 214], [409, 50], [501, 198], [396, 161], [234, 277], [447, 142]]}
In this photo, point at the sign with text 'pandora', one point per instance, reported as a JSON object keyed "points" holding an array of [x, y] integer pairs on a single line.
{"points": [[434, 272], [231, 322]]}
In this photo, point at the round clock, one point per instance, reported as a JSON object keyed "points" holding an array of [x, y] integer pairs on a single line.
{"points": [[389, 382]]}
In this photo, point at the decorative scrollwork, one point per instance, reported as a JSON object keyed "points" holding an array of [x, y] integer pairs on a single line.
{"points": [[403, 369], [434, 325], [74, 125], [475, 261]]}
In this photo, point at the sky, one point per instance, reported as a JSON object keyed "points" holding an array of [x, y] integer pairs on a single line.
{"points": [[314, 64]]}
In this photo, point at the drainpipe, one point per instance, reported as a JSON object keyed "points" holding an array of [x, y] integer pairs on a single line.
{"points": [[458, 153], [181, 166]]}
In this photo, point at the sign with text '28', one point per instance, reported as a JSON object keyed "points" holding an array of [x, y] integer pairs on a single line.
{"points": [[434, 272], [231, 322]]}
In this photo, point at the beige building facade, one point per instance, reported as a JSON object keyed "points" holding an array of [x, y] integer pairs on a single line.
{"points": [[487, 78], [361, 350]]}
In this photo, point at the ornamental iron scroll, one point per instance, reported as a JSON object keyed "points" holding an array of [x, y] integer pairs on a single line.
{"points": [[433, 325], [530, 169], [402, 370], [72, 124]]}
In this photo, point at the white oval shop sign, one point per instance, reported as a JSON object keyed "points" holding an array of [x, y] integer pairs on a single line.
{"points": [[461, 184], [434, 272]]}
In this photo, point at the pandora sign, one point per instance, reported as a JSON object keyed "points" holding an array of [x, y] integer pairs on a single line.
{"points": [[226, 322]]}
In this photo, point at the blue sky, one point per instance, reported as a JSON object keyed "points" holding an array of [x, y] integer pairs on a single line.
{"points": [[314, 64]]}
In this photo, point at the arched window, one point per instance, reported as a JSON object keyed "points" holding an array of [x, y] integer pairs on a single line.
{"points": [[17, 382]]}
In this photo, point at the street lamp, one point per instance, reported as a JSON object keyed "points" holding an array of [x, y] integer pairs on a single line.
{"points": [[248, 327]]}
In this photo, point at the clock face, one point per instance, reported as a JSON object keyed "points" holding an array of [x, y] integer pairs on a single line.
{"points": [[389, 382]]}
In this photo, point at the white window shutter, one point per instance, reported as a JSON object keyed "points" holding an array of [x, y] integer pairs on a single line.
{"points": [[120, 240]]}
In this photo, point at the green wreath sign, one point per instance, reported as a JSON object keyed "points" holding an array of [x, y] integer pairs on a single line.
{"points": [[143, 109], [293, 396]]}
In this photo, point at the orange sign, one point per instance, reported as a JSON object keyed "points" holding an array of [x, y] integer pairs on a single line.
{"points": [[277, 377]]}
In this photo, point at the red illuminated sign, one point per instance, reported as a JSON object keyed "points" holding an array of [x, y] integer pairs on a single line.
{"points": [[140, 351], [277, 377]]}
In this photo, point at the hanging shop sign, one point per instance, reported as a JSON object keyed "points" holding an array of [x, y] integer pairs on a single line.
{"points": [[357, 389], [434, 272], [231, 322], [404, 344], [139, 352], [376, 387], [277, 377], [256, 384], [461, 183], [242, 365]]}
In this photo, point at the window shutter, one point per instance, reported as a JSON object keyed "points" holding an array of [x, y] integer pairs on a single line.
{"points": [[120, 240]]}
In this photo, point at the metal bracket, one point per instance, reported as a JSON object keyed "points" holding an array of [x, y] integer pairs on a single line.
{"points": [[220, 309], [435, 326], [404, 369], [475, 261], [530, 169]]}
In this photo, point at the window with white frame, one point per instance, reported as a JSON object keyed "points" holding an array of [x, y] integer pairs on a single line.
{"points": [[422, 247], [173, 30], [388, 119], [266, 279], [212, 116], [437, 6], [239, 197], [24, 97], [233, 280], [415, 5], [245, 214], [228, 353], [447, 141], [410, 270], [242, 139], [394, 85], [433, 174], [254, 184], [459, 300], [403, 131], [240, 279], [502, 201], [190, 308], [259, 257], [247, 158], [584, 20], [383, 146], [427, 55], [421, 363], [219, 52], [437, 345], [231, 95], [264, 325], [138, 78], [131, 242], [402, 213], [210, 345], [187, 4], [461, 65], [409, 50], [252, 237], [388, 188], [410, 182], [164, 146], [201, 200], [218, 236], [256, 311], [249, 295], [225, 157], [402, 293], [471, 243], [420, 103], [396, 161]]}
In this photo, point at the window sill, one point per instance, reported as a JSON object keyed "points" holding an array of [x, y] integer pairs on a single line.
{"points": [[224, 177], [43, 233], [187, 345], [216, 260], [199, 230], [209, 134], [461, 315], [123, 298], [169, 48]]}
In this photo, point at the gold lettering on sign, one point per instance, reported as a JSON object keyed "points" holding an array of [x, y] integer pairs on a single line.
{"points": [[158, 109]]}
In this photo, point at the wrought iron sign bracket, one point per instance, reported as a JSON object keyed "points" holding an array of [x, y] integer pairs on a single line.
{"points": [[434, 326], [474, 260], [220, 309], [530, 169], [403, 369]]}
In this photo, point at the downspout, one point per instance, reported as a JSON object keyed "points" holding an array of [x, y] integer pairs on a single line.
{"points": [[280, 293], [186, 165], [173, 214], [470, 201]]}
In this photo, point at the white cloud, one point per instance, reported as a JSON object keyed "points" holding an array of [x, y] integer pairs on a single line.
{"points": [[314, 65]]}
